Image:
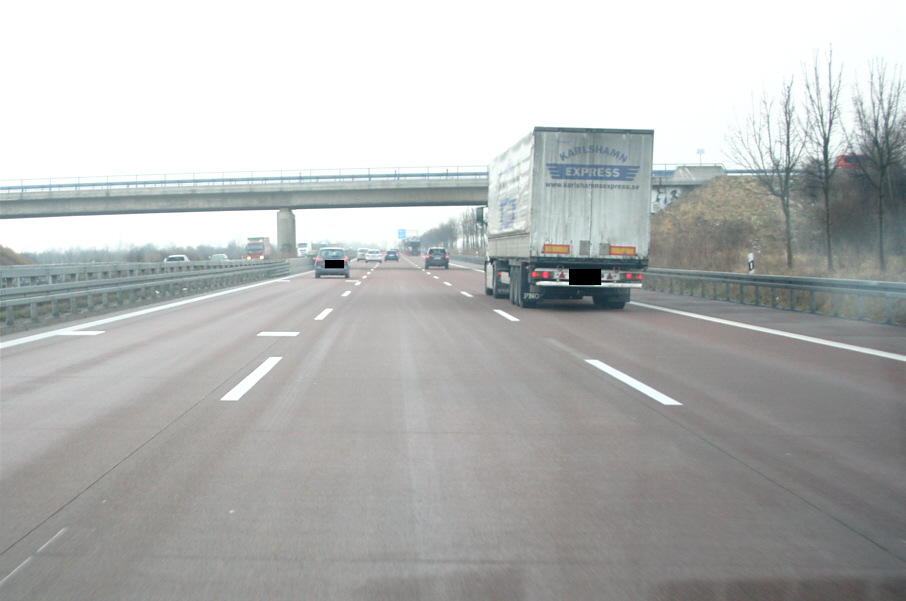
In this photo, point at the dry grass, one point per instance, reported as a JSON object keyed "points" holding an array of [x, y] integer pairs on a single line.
{"points": [[716, 226]]}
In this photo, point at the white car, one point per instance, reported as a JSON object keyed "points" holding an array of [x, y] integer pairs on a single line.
{"points": [[360, 254], [177, 259], [374, 255]]}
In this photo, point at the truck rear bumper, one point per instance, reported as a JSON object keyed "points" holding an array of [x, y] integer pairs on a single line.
{"points": [[603, 286]]}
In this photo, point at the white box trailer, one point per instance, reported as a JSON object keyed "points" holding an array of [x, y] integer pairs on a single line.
{"points": [[568, 216]]}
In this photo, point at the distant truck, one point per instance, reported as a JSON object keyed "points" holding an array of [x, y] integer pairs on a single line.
{"points": [[568, 216], [412, 246], [258, 248], [308, 249]]}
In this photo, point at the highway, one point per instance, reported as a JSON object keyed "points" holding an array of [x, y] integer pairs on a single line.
{"points": [[402, 435]]}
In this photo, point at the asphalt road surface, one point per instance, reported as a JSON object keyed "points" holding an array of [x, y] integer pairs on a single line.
{"points": [[402, 435]]}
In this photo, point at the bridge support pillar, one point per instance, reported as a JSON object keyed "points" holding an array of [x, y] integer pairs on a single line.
{"points": [[286, 233]]}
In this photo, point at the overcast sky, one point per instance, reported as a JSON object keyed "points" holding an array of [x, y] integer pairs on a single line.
{"points": [[94, 88]]}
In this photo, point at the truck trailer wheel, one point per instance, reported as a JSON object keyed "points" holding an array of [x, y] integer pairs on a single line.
{"points": [[501, 290]]}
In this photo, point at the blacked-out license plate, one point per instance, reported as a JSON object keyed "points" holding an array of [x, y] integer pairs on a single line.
{"points": [[584, 277]]}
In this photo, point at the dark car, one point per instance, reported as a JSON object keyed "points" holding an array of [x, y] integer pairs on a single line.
{"points": [[392, 255], [437, 256], [332, 261]]}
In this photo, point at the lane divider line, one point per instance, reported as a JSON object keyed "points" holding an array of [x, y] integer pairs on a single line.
{"points": [[53, 538], [466, 294], [21, 565], [627, 379], [347, 293], [323, 314], [505, 314], [745, 326], [250, 380]]}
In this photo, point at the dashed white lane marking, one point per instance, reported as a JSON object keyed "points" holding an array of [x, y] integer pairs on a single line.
{"points": [[323, 314], [48, 543], [447, 284], [11, 574], [278, 334], [626, 379], [82, 333], [505, 314], [347, 293], [250, 380], [745, 326], [466, 294]]}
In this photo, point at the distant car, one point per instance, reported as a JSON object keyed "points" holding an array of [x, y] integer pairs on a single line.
{"points": [[360, 255], [438, 256], [374, 255], [392, 255], [219, 257], [177, 259], [332, 261]]}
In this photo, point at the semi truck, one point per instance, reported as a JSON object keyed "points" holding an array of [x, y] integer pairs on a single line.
{"points": [[258, 248], [568, 216]]}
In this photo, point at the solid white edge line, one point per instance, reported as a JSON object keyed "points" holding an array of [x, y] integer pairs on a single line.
{"points": [[626, 379], [505, 314], [323, 314], [83, 333], [745, 326], [250, 380], [153, 309]]}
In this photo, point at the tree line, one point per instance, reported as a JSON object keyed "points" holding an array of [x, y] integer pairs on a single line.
{"points": [[463, 233], [794, 141], [147, 253]]}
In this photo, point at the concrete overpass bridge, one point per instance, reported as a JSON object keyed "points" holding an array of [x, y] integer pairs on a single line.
{"points": [[282, 191]]}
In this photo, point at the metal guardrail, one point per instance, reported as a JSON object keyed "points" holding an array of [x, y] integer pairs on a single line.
{"points": [[22, 306], [242, 178], [28, 276], [880, 302]]}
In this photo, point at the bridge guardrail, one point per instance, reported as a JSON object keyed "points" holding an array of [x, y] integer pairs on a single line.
{"points": [[241, 178], [21, 306]]}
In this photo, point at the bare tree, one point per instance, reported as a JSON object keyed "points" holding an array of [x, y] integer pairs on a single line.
{"points": [[880, 136], [770, 144], [822, 132], [470, 231]]}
